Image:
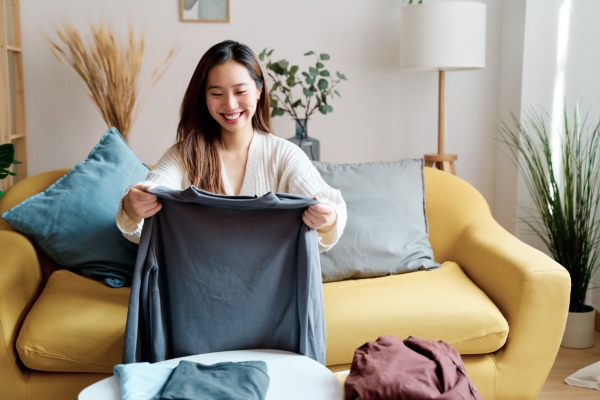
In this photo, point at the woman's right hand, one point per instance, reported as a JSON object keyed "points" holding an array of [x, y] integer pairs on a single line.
{"points": [[139, 204]]}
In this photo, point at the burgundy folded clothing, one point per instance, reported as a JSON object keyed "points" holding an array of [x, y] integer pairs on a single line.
{"points": [[411, 369]]}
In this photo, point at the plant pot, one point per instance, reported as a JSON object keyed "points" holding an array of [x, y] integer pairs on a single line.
{"points": [[579, 332], [310, 146]]}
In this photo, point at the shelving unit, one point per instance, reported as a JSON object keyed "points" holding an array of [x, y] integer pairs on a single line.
{"points": [[12, 102]]}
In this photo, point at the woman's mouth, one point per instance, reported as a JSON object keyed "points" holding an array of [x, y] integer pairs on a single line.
{"points": [[232, 118]]}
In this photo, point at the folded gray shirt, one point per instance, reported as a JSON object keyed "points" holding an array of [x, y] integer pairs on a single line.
{"points": [[217, 273]]}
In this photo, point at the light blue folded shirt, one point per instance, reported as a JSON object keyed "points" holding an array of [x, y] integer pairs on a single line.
{"points": [[142, 381]]}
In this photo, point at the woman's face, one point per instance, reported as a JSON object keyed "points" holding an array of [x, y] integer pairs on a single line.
{"points": [[231, 96]]}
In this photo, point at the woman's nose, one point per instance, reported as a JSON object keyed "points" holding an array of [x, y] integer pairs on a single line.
{"points": [[231, 103]]}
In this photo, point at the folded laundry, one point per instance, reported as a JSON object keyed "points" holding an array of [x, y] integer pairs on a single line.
{"points": [[247, 380], [588, 377], [411, 369], [190, 381], [142, 381]]}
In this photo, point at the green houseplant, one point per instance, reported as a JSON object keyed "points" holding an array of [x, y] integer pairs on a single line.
{"points": [[7, 158], [317, 87], [562, 174]]}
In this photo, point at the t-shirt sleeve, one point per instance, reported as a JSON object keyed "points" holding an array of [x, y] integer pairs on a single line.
{"points": [[306, 180], [168, 172]]}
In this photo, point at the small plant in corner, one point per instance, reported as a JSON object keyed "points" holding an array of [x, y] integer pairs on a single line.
{"points": [[316, 83], [7, 158]]}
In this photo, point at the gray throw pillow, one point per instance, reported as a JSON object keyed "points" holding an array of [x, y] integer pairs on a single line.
{"points": [[386, 232]]}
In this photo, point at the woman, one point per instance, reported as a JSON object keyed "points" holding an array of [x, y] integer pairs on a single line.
{"points": [[224, 145]]}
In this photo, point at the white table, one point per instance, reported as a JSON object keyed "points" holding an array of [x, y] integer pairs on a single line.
{"points": [[293, 376]]}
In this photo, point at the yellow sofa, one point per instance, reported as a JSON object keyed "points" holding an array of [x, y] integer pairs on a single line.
{"points": [[500, 303]]}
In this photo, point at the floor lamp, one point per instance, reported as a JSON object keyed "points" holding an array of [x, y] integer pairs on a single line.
{"points": [[442, 36]]}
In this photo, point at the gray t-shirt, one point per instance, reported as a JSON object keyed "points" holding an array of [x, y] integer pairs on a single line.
{"points": [[217, 273]]}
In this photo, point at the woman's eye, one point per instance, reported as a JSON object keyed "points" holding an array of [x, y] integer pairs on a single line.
{"points": [[244, 92], [216, 94]]}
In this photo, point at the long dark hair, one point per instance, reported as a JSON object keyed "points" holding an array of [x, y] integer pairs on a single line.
{"points": [[198, 134]]}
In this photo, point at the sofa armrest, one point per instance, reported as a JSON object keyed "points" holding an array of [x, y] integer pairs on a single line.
{"points": [[530, 289], [20, 285]]}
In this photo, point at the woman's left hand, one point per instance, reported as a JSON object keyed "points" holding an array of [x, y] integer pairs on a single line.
{"points": [[321, 216]]}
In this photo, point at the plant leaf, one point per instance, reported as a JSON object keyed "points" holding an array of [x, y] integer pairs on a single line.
{"points": [[341, 76], [293, 70], [320, 65], [323, 109], [309, 53], [261, 56], [324, 73], [290, 81], [270, 52], [306, 75], [275, 85], [313, 71], [322, 84], [324, 56], [336, 92], [307, 92], [310, 81]]}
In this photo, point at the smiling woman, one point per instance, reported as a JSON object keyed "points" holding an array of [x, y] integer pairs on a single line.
{"points": [[225, 146]]}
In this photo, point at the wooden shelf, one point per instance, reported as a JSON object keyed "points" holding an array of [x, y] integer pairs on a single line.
{"points": [[12, 102]]}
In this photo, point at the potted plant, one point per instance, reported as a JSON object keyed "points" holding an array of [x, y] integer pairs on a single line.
{"points": [[317, 86], [562, 174], [7, 158]]}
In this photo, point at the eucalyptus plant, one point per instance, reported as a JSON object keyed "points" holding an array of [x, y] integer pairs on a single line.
{"points": [[564, 183], [7, 158], [316, 83]]}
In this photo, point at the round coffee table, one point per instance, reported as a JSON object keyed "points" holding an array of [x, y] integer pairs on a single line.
{"points": [[293, 376]]}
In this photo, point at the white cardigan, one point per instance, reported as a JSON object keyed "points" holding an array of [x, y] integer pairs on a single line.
{"points": [[274, 165]]}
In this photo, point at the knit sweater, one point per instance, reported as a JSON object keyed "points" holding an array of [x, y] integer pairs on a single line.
{"points": [[274, 165]]}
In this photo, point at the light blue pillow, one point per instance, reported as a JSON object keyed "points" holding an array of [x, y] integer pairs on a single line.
{"points": [[73, 221], [386, 232]]}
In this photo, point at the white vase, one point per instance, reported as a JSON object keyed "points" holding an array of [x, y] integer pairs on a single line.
{"points": [[579, 332]]}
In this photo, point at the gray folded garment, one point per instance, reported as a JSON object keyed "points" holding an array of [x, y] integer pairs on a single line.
{"points": [[248, 380]]}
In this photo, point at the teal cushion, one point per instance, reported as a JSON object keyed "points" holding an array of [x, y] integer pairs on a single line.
{"points": [[386, 232], [73, 221]]}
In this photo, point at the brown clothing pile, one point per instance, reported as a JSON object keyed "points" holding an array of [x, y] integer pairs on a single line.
{"points": [[411, 369]]}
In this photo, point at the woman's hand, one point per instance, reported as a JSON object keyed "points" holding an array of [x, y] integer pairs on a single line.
{"points": [[139, 205], [321, 216]]}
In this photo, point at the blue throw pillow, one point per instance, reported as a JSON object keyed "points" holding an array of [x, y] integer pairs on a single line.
{"points": [[73, 221]]}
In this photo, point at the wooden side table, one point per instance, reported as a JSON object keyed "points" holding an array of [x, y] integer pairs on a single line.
{"points": [[443, 162]]}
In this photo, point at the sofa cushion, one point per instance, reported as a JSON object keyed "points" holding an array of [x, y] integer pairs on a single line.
{"points": [[76, 325], [442, 304], [73, 220], [386, 231]]}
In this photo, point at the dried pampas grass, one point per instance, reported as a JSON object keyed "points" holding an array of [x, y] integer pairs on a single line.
{"points": [[110, 70]]}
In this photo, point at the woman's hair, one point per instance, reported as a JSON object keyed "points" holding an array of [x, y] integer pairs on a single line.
{"points": [[198, 134]]}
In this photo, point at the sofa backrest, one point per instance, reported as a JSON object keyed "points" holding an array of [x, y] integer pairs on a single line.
{"points": [[451, 205]]}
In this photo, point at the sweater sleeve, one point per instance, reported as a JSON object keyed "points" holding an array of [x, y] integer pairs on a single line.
{"points": [[305, 179], [169, 172]]}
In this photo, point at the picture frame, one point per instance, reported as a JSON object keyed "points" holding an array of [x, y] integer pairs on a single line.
{"points": [[204, 10]]}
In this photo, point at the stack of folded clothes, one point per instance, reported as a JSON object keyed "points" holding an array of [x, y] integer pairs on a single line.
{"points": [[390, 368], [192, 381]]}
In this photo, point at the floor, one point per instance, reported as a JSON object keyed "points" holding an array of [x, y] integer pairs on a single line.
{"points": [[567, 362]]}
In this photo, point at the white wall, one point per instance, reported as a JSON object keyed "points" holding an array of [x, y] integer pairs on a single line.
{"points": [[384, 114]]}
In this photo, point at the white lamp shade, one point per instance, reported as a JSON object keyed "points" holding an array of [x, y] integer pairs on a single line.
{"points": [[442, 36]]}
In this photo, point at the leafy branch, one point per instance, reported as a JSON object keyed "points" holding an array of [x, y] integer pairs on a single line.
{"points": [[7, 158], [317, 86]]}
